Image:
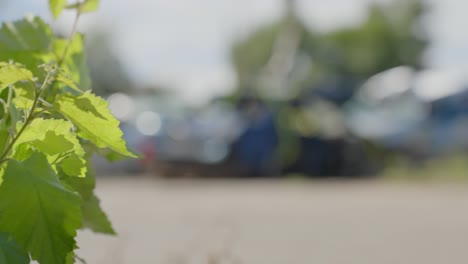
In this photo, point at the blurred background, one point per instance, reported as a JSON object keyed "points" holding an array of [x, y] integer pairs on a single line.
{"points": [[370, 97], [279, 88]]}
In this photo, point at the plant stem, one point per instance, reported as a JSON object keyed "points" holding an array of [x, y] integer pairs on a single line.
{"points": [[10, 92], [70, 38], [61, 157], [29, 119], [67, 47], [43, 87]]}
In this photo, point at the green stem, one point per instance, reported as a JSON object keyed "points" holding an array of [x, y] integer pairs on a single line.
{"points": [[29, 119], [65, 51], [6, 104], [61, 157], [10, 92], [44, 102], [37, 95], [70, 38]]}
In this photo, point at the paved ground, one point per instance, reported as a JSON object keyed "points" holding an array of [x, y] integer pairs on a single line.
{"points": [[278, 222]]}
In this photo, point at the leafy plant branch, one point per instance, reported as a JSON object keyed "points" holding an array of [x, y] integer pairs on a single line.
{"points": [[30, 117], [45, 158]]}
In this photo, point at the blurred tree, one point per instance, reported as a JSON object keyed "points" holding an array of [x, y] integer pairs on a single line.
{"points": [[391, 36], [281, 59], [107, 72], [273, 57], [289, 64], [251, 54]]}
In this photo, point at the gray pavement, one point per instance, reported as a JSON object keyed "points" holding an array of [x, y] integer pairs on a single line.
{"points": [[279, 222]]}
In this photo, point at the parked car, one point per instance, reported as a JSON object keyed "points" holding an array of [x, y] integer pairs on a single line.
{"points": [[417, 113]]}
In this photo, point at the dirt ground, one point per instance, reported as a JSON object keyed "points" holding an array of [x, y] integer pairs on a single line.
{"points": [[279, 222]]}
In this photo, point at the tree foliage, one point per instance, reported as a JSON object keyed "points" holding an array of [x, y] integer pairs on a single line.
{"points": [[391, 35], [290, 75], [48, 122]]}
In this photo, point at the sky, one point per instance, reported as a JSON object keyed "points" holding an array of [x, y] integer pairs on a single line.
{"points": [[184, 44]]}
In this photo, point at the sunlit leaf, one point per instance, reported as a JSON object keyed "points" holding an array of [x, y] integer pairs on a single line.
{"points": [[12, 73], [86, 6], [74, 63], [53, 137], [29, 34], [92, 117], [62, 78], [27, 41], [57, 6]]}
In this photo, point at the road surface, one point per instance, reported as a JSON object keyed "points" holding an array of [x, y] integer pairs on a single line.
{"points": [[279, 222]]}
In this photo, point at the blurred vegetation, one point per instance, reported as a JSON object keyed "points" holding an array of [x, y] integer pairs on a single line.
{"points": [[286, 63], [295, 57], [391, 36], [445, 169]]}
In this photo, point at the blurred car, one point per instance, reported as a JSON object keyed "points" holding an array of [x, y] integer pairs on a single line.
{"points": [[418, 113], [171, 139], [198, 143]]}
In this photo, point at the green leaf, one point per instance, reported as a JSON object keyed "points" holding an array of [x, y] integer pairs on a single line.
{"points": [[52, 144], [15, 115], [24, 95], [22, 152], [107, 153], [12, 73], [4, 136], [70, 258], [68, 82], [53, 133], [113, 156], [31, 42], [86, 6], [38, 212], [84, 186], [53, 137], [27, 41], [73, 258], [57, 6], [74, 165], [28, 34], [94, 217], [74, 63], [23, 102], [94, 120], [11, 252], [89, 6]]}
